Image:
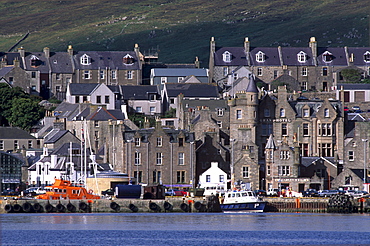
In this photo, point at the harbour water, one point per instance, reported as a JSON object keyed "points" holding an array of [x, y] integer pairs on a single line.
{"points": [[185, 229]]}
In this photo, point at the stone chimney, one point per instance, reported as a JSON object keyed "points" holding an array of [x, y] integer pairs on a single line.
{"points": [[70, 50], [47, 52], [22, 52], [211, 59], [197, 63], [16, 62], [313, 46], [247, 46]]}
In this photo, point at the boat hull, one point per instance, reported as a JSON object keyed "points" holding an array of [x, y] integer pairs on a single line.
{"points": [[247, 207]]}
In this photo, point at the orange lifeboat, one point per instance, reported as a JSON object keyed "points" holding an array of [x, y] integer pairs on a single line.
{"points": [[63, 189]]}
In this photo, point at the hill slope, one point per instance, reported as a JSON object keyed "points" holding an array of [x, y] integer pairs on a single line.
{"points": [[181, 29]]}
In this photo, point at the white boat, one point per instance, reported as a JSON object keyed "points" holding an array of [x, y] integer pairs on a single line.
{"points": [[242, 202]]}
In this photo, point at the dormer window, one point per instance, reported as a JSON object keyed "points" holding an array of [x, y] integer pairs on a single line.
{"points": [[327, 56], [367, 57], [128, 60], [302, 57], [226, 56], [326, 112], [35, 61], [85, 60], [260, 56]]}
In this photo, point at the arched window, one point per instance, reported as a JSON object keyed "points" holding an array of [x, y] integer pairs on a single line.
{"points": [[302, 57], [367, 56], [128, 60], [327, 56]]}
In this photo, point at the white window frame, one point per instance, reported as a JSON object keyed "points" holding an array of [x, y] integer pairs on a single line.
{"points": [[1, 144], [159, 141], [226, 56], [239, 114], [139, 109], [179, 79], [220, 112], [260, 56], [351, 155], [367, 57], [87, 74], [85, 59], [137, 142], [163, 80], [259, 71], [181, 158], [325, 55], [159, 158], [245, 172], [129, 74], [282, 112], [152, 109], [137, 158], [302, 57], [114, 74], [304, 71], [326, 113], [306, 112], [102, 74]]}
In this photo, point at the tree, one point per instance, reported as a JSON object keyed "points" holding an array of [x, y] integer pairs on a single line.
{"points": [[7, 94], [351, 75], [25, 113]]}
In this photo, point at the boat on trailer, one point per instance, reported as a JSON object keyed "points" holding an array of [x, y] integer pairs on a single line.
{"points": [[242, 202], [64, 189]]}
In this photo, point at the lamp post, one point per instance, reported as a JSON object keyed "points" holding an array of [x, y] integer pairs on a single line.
{"points": [[365, 146], [232, 164]]}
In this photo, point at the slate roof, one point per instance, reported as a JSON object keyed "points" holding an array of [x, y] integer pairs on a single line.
{"points": [[102, 114], [192, 90], [307, 161], [289, 56], [351, 86], [272, 57], [103, 59], [173, 133], [14, 133], [179, 72], [82, 88], [43, 66], [139, 92], [211, 104], [54, 136], [360, 173], [10, 57], [358, 53], [339, 56], [4, 71], [61, 62]]}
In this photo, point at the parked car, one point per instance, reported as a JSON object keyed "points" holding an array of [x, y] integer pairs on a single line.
{"points": [[356, 108], [10, 192], [175, 192], [356, 194], [272, 192], [310, 193], [327, 193], [260, 193], [108, 192], [33, 191]]}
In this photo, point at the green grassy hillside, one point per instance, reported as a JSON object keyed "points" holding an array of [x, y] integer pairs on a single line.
{"points": [[181, 29]]}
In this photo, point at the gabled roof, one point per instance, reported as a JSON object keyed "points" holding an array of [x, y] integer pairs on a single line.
{"points": [[192, 90], [139, 92], [14, 133], [238, 57], [4, 71], [338, 53], [272, 57], [307, 161], [270, 143], [179, 72], [9, 58], [54, 136], [42, 65], [358, 55], [102, 114], [82, 88], [61, 62]]}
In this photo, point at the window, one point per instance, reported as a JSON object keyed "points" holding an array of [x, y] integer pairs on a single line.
{"points": [[179, 79], [35, 61], [163, 80], [245, 172], [152, 110], [351, 155], [305, 129], [157, 176], [235, 76], [306, 112], [259, 71], [326, 112], [301, 56], [16, 144], [226, 56], [102, 74], [98, 99], [129, 74], [284, 129], [220, 112], [139, 178], [268, 170], [226, 71], [77, 99], [57, 88], [33, 87], [219, 123], [324, 71], [96, 123], [33, 75], [276, 74], [159, 159], [327, 56], [139, 109], [181, 142], [30, 144], [260, 56], [367, 57], [238, 114], [304, 86], [86, 74], [1, 144], [137, 158], [159, 141], [304, 71], [283, 170], [181, 159], [68, 80], [266, 112], [114, 74], [180, 176], [348, 180], [107, 99], [266, 129], [221, 178], [128, 60], [284, 154], [84, 98], [325, 149], [85, 60], [137, 142], [282, 112], [208, 178]]}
